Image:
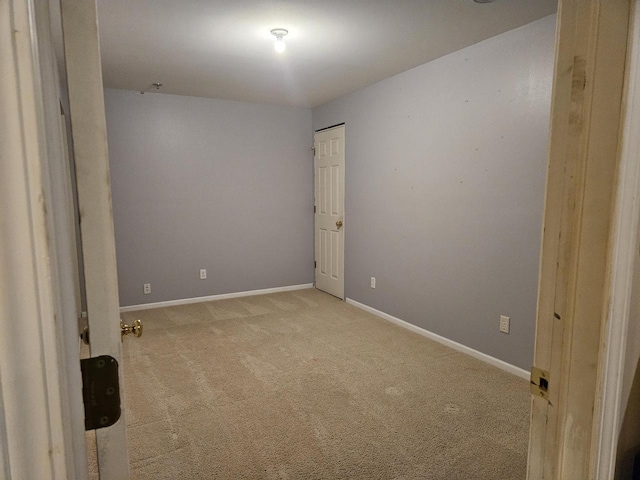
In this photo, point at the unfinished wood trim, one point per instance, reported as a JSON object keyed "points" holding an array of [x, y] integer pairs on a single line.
{"points": [[581, 185], [89, 134], [625, 243]]}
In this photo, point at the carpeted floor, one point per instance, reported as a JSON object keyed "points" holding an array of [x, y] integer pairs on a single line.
{"points": [[300, 385]]}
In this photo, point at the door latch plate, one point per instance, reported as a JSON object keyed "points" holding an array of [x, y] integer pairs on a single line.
{"points": [[540, 383], [100, 391]]}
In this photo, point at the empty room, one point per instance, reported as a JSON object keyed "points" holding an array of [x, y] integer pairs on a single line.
{"points": [[328, 240], [429, 124]]}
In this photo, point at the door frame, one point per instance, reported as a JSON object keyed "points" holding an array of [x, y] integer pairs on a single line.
{"points": [[41, 410], [577, 241], [344, 204], [624, 253]]}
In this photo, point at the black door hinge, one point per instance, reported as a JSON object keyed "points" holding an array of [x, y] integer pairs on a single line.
{"points": [[315, 264], [100, 392]]}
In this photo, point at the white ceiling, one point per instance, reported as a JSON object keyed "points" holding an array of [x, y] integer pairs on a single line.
{"points": [[224, 49]]}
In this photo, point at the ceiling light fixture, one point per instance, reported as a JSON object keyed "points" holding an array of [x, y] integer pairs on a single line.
{"points": [[279, 33]]}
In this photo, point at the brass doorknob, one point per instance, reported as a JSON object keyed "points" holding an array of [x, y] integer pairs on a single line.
{"points": [[135, 328], [339, 223]]}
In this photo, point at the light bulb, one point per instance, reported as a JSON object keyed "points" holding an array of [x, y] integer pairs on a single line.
{"points": [[280, 46], [279, 33]]}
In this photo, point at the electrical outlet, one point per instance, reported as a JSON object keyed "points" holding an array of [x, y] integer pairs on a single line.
{"points": [[504, 324], [373, 282], [203, 273], [147, 288]]}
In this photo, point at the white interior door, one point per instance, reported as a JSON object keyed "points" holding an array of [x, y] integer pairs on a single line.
{"points": [[89, 136], [329, 210]]}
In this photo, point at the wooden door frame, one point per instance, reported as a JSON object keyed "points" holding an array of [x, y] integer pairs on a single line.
{"points": [[624, 251], [41, 411], [577, 243]]}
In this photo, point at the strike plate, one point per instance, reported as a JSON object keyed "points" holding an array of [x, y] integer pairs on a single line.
{"points": [[540, 383], [100, 392]]}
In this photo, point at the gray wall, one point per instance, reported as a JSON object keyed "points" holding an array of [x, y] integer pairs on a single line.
{"points": [[445, 173], [201, 183]]}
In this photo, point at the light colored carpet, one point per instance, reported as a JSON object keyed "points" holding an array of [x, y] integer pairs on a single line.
{"points": [[300, 385]]}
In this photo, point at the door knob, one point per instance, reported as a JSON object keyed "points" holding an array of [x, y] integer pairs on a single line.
{"points": [[339, 224], [135, 328]]}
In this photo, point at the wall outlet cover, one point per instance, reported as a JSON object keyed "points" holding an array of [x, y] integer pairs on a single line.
{"points": [[373, 282], [147, 289], [203, 273], [504, 324]]}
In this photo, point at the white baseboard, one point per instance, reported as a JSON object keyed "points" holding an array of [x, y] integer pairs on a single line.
{"points": [[210, 298], [507, 367]]}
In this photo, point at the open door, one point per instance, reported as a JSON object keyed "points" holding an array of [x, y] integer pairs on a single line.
{"points": [[89, 138], [576, 246]]}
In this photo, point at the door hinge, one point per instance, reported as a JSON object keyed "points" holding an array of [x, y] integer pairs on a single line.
{"points": [[313, 149], [315, 264], [540, 383], [314, 209], [100, 391]]}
